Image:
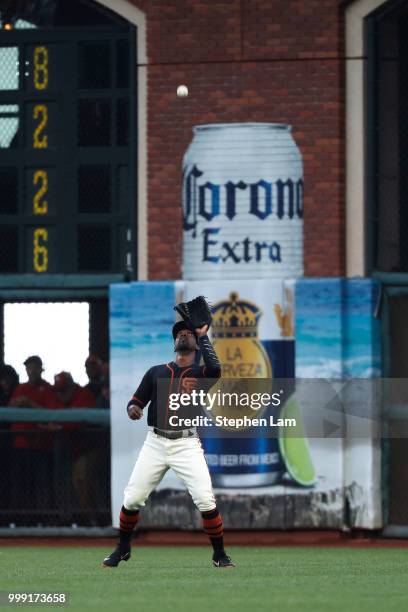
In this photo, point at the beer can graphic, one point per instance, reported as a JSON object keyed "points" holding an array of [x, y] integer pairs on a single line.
{"points": [[242, 203], [252, 460]]}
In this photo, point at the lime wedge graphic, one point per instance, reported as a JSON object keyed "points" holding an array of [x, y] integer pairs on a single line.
{"points": [[294, 446]]}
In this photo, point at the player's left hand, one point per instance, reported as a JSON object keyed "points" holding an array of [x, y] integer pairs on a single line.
{"points": [[201, 331]]}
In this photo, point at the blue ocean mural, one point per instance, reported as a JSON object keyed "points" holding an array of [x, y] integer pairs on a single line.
{"points": [[337, 334]]}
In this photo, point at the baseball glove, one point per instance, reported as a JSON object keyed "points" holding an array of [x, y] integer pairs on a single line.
{"points": [[195, 313]]}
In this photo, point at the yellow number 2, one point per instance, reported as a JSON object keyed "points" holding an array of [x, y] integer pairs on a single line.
{"points": [[40, 67], [40, 249], [40, 111], [40, 206]]}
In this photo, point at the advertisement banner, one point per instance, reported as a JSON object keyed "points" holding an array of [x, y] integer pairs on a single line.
{"points": [[253, 335], [266, 330], [338, 337], [141, 319], [242, 202]]}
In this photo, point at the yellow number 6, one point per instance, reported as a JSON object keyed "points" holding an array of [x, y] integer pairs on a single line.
{"points": [[40, 250]]}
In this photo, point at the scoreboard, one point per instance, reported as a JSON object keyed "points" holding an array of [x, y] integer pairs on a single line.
{"points": [[68, 121]]}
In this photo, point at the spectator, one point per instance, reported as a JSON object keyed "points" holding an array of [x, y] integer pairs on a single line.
{"points": [[36, 392], [70, 394], [94, 371], [33, 466], [85, 439], [8, 382]]}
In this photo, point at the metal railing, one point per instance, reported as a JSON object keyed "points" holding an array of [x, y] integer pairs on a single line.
{"points": [[55, 468]]}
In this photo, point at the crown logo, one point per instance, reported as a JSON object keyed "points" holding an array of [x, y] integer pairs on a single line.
{"points": [[235, 318]]}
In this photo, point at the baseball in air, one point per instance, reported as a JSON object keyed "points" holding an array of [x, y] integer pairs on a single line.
{"points": [[182, 91]]}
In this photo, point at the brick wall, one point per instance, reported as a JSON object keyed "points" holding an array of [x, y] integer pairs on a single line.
{"points": [[246, 60]]}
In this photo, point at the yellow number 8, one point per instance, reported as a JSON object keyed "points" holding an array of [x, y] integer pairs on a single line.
{"points": [[40, 250], [40, 67]]}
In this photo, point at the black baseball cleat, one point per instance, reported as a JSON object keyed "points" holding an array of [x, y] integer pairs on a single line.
{"points": [[121, 553], [221, 559]]}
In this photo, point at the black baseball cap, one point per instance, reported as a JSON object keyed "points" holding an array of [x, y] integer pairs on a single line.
{"points": [[177, 327], [34, 359]]}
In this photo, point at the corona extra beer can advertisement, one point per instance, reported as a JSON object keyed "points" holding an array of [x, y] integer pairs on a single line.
{"points": [[242, 202], [253, 335]]}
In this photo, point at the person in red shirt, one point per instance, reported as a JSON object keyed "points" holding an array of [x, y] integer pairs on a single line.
{"points": [[36, 392], [94, 371], [84, 444], [8, 382], [33, 457], [70, 394]]}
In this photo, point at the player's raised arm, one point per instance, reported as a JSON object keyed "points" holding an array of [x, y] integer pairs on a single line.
{"points": [[212, 367], [141, 397]]}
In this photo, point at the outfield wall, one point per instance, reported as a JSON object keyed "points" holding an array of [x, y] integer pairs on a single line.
{"points": [[310, 328]]}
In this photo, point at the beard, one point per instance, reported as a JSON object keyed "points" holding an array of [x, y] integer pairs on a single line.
{"points": [[183, 346]]}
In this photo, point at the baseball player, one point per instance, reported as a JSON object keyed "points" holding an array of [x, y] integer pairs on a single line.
{"points": [[167, 447]]}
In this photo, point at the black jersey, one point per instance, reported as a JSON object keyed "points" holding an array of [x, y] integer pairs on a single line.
{"points": [[146, 393]]}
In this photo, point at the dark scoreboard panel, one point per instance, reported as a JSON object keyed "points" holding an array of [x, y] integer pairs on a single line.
{"points": [[68, 151]]}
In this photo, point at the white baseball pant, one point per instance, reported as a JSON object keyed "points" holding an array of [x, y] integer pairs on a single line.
{"points": [[185, 456]]}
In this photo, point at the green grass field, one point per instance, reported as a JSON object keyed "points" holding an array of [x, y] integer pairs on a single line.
{"points": [[178, 579]]}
